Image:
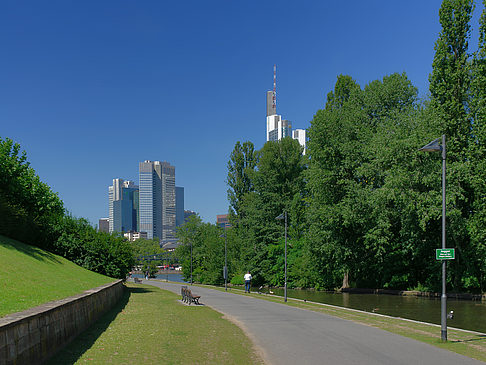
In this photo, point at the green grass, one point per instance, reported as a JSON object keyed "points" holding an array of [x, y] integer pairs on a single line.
{"points": [[30, 276], [151, 326]]}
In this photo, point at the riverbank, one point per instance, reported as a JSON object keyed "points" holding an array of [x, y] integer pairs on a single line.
{"points": [[414, 293]]}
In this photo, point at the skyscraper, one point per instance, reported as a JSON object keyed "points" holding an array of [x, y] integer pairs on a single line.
{"points": [[157, 199], [278, 128], [179, 206], [123, 206], [301, 136]]}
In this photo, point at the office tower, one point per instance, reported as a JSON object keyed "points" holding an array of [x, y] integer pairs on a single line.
{"points": [[187, 214], [179, 206], [222, 220], [157, 199], [300, 135], [277, 128], [104, 225], [123, 206]]}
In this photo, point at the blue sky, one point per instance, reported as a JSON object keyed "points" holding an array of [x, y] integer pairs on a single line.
{"points": [[91, 88]]}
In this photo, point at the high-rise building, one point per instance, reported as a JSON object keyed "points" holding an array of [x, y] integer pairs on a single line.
{"points": [[104, 225], [157, 199], [187, 214], [222, 220], [300, 135], [123, 206], [179, 206], [278, 128]]}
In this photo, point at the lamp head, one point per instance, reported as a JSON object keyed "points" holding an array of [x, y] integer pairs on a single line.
{"points": [[433, 146]]}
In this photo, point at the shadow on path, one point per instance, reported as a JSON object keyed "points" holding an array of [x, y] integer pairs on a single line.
{"points": [[73, 351]]}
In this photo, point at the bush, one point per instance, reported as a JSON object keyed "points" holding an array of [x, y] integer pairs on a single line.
{"points": [[238, 279], [100, 252]]}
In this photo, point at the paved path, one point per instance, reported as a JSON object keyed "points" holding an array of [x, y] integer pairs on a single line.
{"points": [[289, 335]]}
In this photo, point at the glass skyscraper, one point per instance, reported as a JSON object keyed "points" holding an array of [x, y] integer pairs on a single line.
{"points": [[123, 206], [157, 199]]}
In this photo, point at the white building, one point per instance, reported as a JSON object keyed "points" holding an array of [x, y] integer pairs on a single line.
{"points": [[300, 135], [278, 128], [133, 236]]}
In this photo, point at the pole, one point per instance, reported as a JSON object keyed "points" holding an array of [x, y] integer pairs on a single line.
{"points": [[285, 287], [191, 262], [443, 298], [225, 262]]}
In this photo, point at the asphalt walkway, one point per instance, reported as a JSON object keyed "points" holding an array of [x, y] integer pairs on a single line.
{"points": [[289, 335]]}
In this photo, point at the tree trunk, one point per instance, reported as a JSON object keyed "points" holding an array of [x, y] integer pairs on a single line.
{"points": [[345, 280]]}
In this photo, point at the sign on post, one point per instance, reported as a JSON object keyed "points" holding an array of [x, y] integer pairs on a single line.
{"points": [[444, 254]]}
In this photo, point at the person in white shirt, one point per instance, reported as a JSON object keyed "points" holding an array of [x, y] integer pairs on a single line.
{"points": [[247, 282]]}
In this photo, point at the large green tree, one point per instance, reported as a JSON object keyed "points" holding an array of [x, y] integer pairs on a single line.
{"points": [[364, 169], [450, 85], [240, 167], [278, 184]]}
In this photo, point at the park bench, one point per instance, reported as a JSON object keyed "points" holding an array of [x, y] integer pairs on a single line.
{"points": [[137, 280], [188, 297]]}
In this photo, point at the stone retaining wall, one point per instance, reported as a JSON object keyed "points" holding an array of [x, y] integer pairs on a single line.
{"points": [[34, 335]]}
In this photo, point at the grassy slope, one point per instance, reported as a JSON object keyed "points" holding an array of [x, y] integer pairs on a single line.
{"points": [[30, 276]]}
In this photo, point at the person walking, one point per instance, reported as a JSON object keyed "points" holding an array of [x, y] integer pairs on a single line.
{"points": [[247, 282]]}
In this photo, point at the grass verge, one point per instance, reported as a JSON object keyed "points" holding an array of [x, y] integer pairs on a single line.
{"points": [[31, 276], [151, 326], [465, 343]]}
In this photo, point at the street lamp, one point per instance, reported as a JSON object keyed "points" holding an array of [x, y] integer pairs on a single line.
{"points": [[284, 216], [434, 146], [225, 268], [191, 261]]}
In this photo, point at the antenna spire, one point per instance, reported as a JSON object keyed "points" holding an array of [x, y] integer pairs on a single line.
{"points": [[275, 88]]}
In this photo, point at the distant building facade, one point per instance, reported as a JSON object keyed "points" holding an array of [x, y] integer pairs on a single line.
{"points": [[278, 128], [157, 199], [104, 225], [133, 236], [179, 206], [222, 220], [123, 197], [187, 214], [301, 136]]}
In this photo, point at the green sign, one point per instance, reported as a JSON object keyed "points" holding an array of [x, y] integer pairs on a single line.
{"points": [[444, 254]]}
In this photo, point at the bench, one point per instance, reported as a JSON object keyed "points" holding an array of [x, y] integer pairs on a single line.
{"points": [[188, 297], [137, 280]]}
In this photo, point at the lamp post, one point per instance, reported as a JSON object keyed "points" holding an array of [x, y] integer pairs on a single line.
{"points": [[225, 268], [284, 216], [434, 146], [191, 262]]}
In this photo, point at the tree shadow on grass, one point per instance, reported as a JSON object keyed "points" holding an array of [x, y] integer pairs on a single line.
{"points": [[29, 250], [73, 351]]}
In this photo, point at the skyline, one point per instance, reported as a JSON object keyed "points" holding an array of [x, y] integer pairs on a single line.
{"points": [[89, 89]]}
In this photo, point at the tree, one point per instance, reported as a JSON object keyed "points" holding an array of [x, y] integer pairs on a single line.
{"points": [[279, 185], [29, 208], [450, 83], [361, 165], [450, 79], [240, 166], [477, 166], [207, 247]]}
